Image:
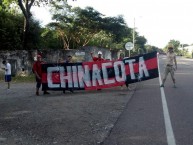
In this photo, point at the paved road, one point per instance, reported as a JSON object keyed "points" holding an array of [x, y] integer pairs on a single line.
{"points": [[79, 118], [144, 123]]}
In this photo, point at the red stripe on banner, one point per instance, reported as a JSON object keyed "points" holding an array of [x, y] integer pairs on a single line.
{"points": [[150, 64], [99, 64], [104, 86], [55, 77]]}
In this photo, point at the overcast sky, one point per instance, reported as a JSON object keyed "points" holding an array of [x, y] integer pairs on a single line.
{"points": [[158, 21]]}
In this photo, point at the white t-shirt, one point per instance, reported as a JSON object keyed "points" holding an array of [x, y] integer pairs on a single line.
{"points": [[8, 69]]}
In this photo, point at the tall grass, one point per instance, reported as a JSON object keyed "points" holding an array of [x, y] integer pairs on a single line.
{"points": [[19, 79]]}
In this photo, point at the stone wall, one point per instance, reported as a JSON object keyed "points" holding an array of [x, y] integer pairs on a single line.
{"points": [[22, 60], [18, 60]]}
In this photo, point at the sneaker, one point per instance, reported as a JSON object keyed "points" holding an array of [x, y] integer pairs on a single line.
{"points": [[37, 94], [174, 86], [46, 93], [162, 85]]}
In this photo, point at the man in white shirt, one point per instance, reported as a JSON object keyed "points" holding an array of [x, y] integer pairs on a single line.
{"points": [[7, 72]]}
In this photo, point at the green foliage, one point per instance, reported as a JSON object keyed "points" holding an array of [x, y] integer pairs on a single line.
{"points": [[34, 35], [176, 45], [19, 79], [71, 29], [116, 26], [10, 31], [79, 27], [140, 42], [101, 39], [150, 48], [49, 39], [23, 79]]}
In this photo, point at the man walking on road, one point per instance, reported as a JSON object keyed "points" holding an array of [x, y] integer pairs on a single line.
{"points": [[170, 61]]}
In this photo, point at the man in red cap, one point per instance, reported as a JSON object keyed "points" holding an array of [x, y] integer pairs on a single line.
{"points": [[37, 69]]}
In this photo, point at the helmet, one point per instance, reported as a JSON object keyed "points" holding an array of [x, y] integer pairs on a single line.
{"points": [[100, 52], [170, 46]]}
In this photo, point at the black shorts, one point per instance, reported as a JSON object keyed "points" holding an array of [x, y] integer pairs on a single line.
{"points": [[7, 78]]}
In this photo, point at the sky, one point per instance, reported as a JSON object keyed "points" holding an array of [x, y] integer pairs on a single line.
{"points": [[159, 21]]}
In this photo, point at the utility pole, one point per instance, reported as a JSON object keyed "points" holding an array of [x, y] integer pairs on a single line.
{"points": [[134, 35]]}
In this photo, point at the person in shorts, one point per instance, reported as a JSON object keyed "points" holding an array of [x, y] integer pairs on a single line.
{"points": [[171, 65], [7, 73]]}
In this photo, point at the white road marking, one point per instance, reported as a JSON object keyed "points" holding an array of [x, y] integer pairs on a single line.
{"points": [[168, 126]]}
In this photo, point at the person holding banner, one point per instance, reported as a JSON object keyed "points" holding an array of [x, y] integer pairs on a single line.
{"points": [[99, 58], [170, 61], [68, 60], [121, 57], [37, 69], [7, 73]]}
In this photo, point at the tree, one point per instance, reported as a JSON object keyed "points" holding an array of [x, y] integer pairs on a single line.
{"points": [[50, 39], [102, 39], [79, 27], [76, 27], [140, 44], [176, 45], [88, 23], [10, 31], [116, 26], [25, 6], [150, 48]]}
